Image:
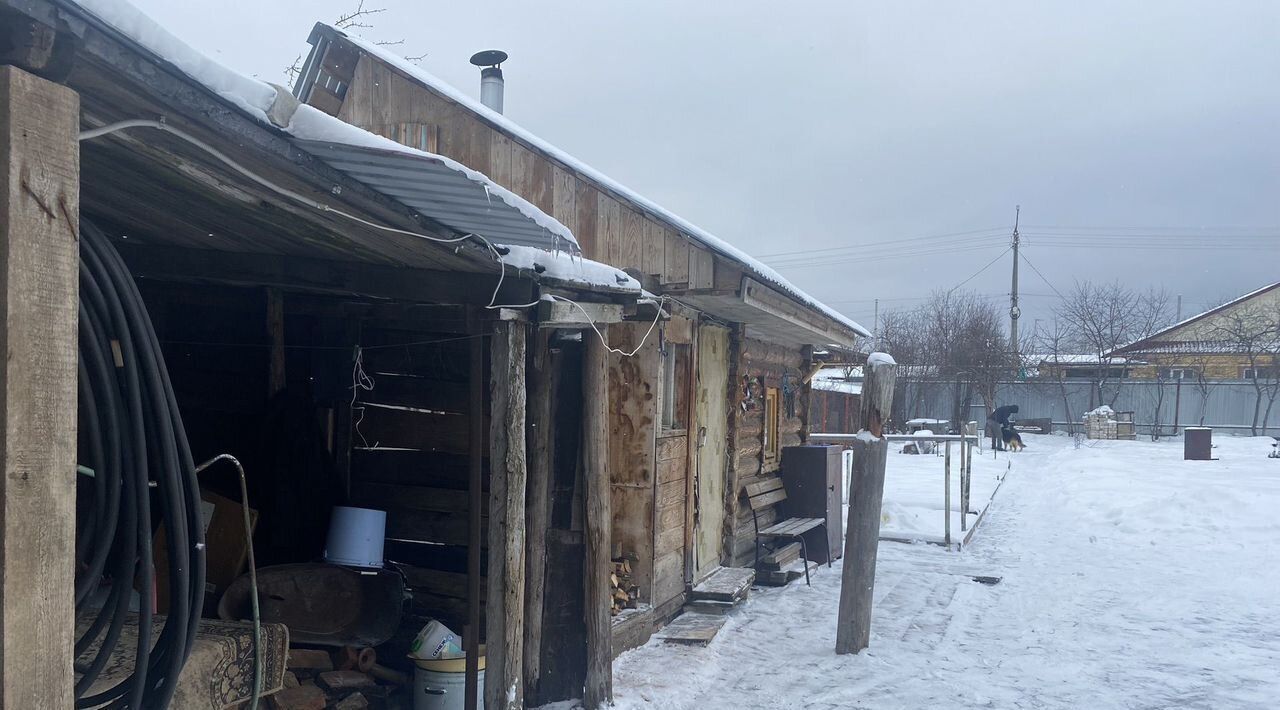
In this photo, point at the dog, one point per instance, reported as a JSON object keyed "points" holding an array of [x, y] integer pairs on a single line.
{"points": [[1012, 439]]}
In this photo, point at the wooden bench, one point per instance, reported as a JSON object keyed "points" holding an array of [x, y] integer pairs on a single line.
{"points": [[765, 493]]}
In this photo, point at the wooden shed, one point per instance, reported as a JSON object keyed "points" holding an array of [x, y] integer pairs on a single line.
{"points": [[700, 408]]}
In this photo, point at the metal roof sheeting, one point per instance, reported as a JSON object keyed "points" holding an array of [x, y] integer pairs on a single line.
{"points": [[438, 191]]}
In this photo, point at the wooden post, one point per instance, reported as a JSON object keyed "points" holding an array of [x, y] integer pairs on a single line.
{"points": [[39, 226], [946, 496], [538, 508], [595, 453], [275, 335], [968, 481], [475, 496], [964, 485], [504, 630], [866, 492]]}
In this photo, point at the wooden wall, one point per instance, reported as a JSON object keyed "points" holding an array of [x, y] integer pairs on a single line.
{"points": [[834, 412], [633, 414], [609, 228], [762, 365]]}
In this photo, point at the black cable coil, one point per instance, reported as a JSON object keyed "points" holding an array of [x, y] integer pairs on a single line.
{"points": [[134, 445]]}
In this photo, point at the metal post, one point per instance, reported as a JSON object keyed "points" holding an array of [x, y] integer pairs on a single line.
{"points": [[947, 497], [964, 480]]}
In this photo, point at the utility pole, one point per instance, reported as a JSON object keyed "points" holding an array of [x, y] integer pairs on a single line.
{"points": [[1014, 311], [1177, 318], [875, 328]]}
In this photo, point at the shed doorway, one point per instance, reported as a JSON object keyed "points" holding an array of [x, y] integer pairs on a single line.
{"points": [[711, 417]]}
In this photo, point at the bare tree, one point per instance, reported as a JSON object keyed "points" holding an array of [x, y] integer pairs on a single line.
{"points": [[1105, 317], [1055, 345], [1253, 331]]}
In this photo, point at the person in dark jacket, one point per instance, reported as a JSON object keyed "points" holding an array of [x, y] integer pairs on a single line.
{"points": [[998, 422]]}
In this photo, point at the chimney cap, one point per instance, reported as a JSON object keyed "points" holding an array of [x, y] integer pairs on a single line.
{"points": [[489, 58]]}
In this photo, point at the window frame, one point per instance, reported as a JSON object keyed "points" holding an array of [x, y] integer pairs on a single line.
{"points": [[772, 429]]}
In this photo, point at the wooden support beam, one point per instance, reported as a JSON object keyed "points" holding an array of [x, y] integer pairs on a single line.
{"points": [[39, 226], [541, 433], [504, 682], [476, 513], [275, 336], [598, 567], [866, 492], [343, 278]]}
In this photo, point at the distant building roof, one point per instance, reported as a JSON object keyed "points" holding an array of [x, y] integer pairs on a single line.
{"points": [[1168, 340]]}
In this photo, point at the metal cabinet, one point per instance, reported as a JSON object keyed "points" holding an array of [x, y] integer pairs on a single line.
{"points": [[813, 479]]}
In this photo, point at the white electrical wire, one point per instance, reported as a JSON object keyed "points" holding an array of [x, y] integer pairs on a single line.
{"points": [[322, 207]]}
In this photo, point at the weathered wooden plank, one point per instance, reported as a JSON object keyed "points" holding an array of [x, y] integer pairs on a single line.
{"points": [[444, 528], [406, 428], [633, 235], [655, 247], [675, 258], [668, 579], [669, 541], [275, 336], [532, 176], [672, 470], [504, 678], [609, 229], [540, 449], [672, 448], [564, 198], [476, 618], [586, 227], [39, 122], [671, 493], [595, 442], [770, 498], [434, 581], [670, 518], [385, 496], [701, 268], [762, 487], [500, 157]]}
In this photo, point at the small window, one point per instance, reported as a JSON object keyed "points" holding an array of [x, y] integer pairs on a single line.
{"points": [[771, 421], [675, 380], [1255, 373], [1177, 373]]}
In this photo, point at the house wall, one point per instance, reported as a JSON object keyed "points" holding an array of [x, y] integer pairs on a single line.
{"points": [[609, 229], [834, 412], [1215, 367], [761, 365]]}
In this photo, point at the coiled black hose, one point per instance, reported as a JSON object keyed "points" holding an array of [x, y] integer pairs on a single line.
{"points": [[133, 441]]}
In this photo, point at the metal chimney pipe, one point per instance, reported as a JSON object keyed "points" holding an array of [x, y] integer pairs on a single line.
{"points": [[491, 83]]}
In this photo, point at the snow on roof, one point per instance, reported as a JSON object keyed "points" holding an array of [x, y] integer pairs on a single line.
{"points": [[698, 234], [832, 379], [1156, 337], [256, 99], [1078, 359]]}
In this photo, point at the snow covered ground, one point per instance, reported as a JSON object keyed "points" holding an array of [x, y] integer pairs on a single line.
{"points": [[914, 494], [1131, 579]]}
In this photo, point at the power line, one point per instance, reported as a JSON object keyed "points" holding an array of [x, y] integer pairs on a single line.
{"points": [[979, 271], [1042, 277], [890, 242]]}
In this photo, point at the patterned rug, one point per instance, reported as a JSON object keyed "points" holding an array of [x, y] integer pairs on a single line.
{"points": [[219, 673]]}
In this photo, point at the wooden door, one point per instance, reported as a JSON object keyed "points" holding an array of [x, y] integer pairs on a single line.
{"points": [[711, 439]]}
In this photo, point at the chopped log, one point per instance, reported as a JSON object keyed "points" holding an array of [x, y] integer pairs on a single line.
{"points": [[866, 493]]}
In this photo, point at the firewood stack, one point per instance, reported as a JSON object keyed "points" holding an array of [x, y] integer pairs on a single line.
{"points": [[626, 595]]}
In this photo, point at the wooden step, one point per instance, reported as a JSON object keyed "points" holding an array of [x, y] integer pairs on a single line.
{"points": [[780, 558], [781, 578], [727, 584], [710, 607], [693, 629]]}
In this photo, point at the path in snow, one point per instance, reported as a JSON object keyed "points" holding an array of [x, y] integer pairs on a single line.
{"points": [[1132, 579]]}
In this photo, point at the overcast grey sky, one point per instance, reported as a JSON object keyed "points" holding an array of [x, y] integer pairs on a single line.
{"points": [[784, 127]]}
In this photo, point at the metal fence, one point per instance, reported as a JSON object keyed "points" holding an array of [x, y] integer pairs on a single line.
{"points": [[1164, 406]]}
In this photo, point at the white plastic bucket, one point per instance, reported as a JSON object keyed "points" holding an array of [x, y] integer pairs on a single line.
{"points": [[356, 536], [442, 684]]}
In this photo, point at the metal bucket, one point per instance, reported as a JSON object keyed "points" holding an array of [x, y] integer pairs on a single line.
{"points": [[356, 537], [441, 684]]}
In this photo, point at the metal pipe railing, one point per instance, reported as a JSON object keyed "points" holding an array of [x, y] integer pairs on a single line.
{"points": [[966, 469]]}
